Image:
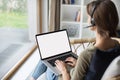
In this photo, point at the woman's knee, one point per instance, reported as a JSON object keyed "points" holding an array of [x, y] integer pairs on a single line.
{"points": [[51, 75]]}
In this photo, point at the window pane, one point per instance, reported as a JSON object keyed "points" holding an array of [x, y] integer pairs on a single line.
{"points": [[13, 13], [13, 21], [14, 36]]}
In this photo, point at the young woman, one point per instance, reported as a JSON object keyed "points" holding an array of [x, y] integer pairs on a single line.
{"points": [[92, 62]]}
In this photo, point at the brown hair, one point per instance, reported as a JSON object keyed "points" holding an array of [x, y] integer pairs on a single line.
{"points": [[105, 17]]}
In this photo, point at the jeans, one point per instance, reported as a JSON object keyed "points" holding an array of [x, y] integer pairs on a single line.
{"points": [[40, 69], [51, 75]]}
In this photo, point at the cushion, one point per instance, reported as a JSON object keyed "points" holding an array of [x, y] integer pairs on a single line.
{"points": [[113, 70]]}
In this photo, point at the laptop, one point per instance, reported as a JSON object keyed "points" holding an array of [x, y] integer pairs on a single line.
{"points": [[54, 46]]}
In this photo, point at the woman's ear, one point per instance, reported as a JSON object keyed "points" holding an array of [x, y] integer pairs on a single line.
{"points": [[93, 28]]}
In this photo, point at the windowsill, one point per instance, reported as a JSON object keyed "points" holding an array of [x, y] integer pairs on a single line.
{"points": [[12, 64], [27, 68]]}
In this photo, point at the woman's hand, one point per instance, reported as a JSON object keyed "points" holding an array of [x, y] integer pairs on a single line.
{"points": [[71, 61], [61, 66]]}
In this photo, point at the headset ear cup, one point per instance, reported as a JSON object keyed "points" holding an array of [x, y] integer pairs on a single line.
{"points": [[93, 21]]}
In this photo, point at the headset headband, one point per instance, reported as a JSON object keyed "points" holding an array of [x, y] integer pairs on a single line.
{"points": [[94, 7], [97, 2]]}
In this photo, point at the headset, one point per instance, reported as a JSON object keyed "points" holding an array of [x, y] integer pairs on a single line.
{"points": [[92, 13]]}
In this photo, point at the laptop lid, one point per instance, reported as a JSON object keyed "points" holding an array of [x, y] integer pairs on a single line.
{"points": [[53, 43]]}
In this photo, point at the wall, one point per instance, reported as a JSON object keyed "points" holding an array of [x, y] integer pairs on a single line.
{"points": [[32, 18], [45, 15]]}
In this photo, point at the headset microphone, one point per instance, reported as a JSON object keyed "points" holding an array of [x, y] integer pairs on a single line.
{"points": [[89, 26]]}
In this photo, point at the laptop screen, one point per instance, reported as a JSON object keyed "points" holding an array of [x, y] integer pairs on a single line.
{"points": [[54, 43]]}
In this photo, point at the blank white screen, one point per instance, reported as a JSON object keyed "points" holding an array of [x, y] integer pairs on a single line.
{"points": [[53, 44]]}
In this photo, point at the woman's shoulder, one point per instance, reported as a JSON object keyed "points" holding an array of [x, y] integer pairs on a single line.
{"points": [[117, 40], [88, 52]]}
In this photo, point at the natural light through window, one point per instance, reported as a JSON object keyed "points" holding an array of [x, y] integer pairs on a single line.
{"points": [[13, 13], [16, 20], [13, 20]]}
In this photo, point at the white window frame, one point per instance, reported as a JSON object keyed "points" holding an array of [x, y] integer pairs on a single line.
{"points": [[38, 23]]}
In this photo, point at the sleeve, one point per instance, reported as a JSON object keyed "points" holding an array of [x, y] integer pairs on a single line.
{"points": [[81, 65], [115, 78]]}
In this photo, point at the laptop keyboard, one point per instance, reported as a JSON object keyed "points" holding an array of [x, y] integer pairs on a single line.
{"points": [[52, 61]]}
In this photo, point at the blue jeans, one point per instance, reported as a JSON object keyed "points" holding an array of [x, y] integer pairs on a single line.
{"points": [[40, 69], [51, 75]]}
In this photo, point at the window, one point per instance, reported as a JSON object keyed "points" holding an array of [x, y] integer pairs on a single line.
{"points": [[13, 21], [18, 25]]}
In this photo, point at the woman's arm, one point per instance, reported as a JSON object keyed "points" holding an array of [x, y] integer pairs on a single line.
{"points": [[82, 64], [65, 75], [62, 67], [80, 68]]}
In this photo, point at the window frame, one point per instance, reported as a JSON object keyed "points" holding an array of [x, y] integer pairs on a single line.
{"points": [[34, 29]]}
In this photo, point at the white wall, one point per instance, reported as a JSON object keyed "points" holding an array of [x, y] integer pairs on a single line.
{"points": [[32, 18], [45, 15]]}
